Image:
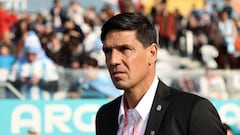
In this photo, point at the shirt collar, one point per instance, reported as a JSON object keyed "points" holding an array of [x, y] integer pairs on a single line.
{"points": [[145, 104]]}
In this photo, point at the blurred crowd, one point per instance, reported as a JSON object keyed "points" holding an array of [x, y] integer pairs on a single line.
{"points": [[212, 31], [36, 47]]}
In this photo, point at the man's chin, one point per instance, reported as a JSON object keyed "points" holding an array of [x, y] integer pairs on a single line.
{"points": [[120, 85]]}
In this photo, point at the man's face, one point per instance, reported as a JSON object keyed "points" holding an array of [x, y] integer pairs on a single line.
{"points": [[126, 59]]}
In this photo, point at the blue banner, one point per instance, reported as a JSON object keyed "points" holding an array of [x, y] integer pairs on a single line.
{"points": [[229, 111], [63, 117], [77, 117]]}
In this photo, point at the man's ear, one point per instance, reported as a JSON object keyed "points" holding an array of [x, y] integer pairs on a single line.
{"points": [[152, 50]]}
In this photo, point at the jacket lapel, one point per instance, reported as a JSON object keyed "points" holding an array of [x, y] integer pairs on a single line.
{"points": [[158, 108]]}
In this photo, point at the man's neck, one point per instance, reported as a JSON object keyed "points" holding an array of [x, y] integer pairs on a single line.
{"points": [[133, 96]]}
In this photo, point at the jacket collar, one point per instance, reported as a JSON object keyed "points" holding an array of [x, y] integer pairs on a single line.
{"points": [[158, 108]]}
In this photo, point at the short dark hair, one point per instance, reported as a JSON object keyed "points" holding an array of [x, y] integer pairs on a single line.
{"points": [[145, 31]]}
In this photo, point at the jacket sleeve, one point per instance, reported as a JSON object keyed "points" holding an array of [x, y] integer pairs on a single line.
{"points": [[205, 120]]}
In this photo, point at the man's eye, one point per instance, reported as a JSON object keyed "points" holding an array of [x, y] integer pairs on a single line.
{"points": [[106, 51], [124, 49]]}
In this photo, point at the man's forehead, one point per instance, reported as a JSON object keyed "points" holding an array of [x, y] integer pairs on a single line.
{"points": [[120, 37], [117, 33]]}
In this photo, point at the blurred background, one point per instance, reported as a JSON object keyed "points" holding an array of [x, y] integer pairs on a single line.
{"points": [[53, 76]]}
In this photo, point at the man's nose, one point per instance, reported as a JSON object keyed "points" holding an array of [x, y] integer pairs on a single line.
{"points": [[115, 57]]}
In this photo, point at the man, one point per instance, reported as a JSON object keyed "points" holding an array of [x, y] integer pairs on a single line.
{"points": [[148, 106]]}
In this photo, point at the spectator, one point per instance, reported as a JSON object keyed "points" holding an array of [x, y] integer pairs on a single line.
{"points": [[6, 20], [54, 50], [228, 8], [216, 39], [90, 15], [93, 34], [199, 37], [72, 30], [233, 84], [108, 10], [7, 39], [75, 12], [229, 31], [186, 83], [39, 24], [126, 6], [179, 19], [6, 61], [20, 29], [74, 52], [93, 84], [6, 57], [73, 37], [139, 7], [58, 16], [237, 53], [213, 85], [33, 73], [167, 27]]}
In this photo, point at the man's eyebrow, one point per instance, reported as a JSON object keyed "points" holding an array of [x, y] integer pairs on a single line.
{"points": [[104, 48], [117, 46]]}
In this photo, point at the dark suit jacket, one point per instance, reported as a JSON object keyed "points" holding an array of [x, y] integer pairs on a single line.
{"points": [[180, 114]]}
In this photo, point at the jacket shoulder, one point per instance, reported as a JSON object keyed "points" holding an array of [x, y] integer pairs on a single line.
{"points": [[108, 115], [182, 103], [181, 97], [111, 106]]}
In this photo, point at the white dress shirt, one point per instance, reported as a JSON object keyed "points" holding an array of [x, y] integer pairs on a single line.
{"points": [[134, 121]]}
